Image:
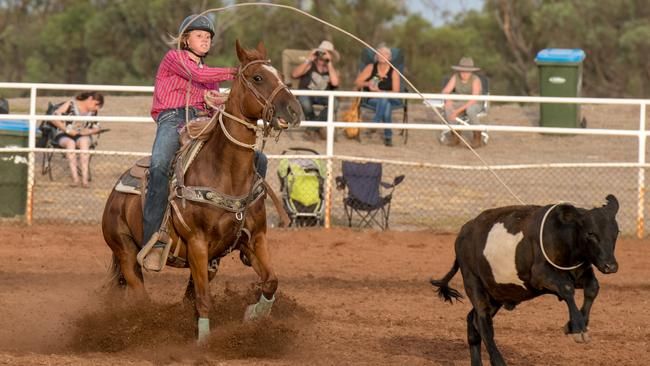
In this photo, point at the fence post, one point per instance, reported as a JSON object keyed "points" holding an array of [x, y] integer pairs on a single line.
{"points": [[31, 156], [642, 148], [330, 154]]}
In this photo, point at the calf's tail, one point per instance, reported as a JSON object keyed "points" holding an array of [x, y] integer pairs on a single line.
{"points": [[445, 292]]}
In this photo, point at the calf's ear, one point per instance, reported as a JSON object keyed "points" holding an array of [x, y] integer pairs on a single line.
{"points": [[612, 204], [567, 214]]}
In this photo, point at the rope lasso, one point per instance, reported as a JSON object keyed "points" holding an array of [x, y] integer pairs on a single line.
{"points": [[541, 242], [426, 102]]}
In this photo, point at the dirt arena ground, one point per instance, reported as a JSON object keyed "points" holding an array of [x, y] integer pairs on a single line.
{"points": [[346, 297]]}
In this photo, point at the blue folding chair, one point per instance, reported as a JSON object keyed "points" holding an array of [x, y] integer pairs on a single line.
{"points": [[363, 185]]}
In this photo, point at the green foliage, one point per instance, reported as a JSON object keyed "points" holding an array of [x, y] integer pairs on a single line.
{"points": [[122, 41]]}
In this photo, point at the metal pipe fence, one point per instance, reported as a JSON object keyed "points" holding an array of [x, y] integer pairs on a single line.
{"points": [[435, 196]]}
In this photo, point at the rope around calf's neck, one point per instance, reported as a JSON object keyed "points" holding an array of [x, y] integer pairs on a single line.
{"points": [[541, 242]]}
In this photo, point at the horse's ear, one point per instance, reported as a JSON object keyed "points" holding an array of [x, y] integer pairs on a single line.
{"points": [[241, 53], [262, 49]]}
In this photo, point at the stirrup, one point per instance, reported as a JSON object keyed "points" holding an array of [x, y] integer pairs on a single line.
{"points": [[142, 254]]}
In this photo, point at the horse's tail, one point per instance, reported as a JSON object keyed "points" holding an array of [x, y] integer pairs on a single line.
{"points": [[114, 273], [445, 292]]}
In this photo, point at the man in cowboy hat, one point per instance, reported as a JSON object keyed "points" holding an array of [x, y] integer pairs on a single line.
{"points": [[463, 81], [317, 73]]}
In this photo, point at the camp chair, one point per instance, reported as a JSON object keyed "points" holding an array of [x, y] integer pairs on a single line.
{"points": [[362, 183], [4, 106], [46, 140], [368, 57], [302, 185], [464, 119]]}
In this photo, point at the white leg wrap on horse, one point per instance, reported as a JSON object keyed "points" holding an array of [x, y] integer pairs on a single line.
{"points": [[204, 329], [259, 310]]}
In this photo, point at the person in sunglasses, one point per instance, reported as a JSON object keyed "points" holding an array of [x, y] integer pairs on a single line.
{"points": [[317, 72]]}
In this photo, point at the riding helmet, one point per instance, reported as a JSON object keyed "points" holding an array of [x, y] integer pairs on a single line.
{"points": [[200, 23]]}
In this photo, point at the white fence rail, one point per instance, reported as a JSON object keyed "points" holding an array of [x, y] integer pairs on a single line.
{"points": [[641, 133]]}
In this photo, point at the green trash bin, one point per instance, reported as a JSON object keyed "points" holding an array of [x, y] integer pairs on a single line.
{"points": [[560, 75], [13, 168]]}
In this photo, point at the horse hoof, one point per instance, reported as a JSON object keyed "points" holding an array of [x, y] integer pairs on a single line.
{"points": [[261, 309], [582, 337]]}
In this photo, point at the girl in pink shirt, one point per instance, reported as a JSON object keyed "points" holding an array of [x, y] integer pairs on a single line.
{"points": [[178, 70]]}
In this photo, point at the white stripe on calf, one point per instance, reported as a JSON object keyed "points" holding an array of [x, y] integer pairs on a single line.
{"points": [[500, 250]]}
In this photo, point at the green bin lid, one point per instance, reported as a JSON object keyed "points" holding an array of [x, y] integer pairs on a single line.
{"points": [[14, 125], [560, 55]]}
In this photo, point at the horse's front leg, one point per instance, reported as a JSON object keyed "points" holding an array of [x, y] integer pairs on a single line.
{"points": [[198, 257], [261, 262]]}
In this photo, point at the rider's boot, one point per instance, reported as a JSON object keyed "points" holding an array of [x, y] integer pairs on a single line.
{"points": [[154, 259]]}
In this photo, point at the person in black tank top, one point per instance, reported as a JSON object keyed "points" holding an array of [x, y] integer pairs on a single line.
{"points": [[380, 76]]}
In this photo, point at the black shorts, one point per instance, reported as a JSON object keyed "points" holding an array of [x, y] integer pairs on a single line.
{"points": [[58, 137]]}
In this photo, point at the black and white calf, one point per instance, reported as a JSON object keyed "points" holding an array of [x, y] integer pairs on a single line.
{"points": [[512, 254]]}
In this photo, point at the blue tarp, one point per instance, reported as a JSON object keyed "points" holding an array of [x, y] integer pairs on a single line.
{"points": [[14, 125]]}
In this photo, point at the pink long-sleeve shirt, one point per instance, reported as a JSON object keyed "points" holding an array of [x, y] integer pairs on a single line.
{"points": [[170, 87]]}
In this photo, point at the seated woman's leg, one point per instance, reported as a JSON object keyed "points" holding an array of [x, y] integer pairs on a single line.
{"points": [[69, 144], [386, 117], [307, 107], [83, 143]]}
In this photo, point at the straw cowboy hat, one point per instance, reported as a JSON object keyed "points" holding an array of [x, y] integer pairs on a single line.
{"points": [[466, 64], [328, 46]]}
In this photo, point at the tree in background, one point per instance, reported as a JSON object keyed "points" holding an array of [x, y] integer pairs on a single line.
{"points": [[122, 41]]}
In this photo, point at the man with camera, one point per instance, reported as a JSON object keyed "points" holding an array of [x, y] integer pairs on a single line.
{"points": [[317, 72]]}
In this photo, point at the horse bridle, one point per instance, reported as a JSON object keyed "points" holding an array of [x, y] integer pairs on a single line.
{"points": [[268, 110]]}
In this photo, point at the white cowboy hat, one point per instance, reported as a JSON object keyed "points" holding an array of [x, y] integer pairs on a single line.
{"points": [[466, 64], [329, 47]]}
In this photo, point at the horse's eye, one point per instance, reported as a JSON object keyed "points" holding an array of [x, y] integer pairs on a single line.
{"points": [[257, 78]]}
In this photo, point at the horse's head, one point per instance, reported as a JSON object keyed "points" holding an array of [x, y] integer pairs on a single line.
{"points": [[264, 95]]}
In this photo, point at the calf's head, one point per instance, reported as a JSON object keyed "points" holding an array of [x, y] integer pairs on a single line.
{"points": [[597, 233]]}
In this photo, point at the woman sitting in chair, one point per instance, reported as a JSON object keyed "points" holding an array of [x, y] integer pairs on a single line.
{"points": [[73, 135], [380, 76]]}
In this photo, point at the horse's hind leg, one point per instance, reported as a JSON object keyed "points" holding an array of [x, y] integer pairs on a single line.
{"points": [[261, 262], [131, 270]]}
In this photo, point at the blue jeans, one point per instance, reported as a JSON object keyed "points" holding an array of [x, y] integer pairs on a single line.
{"points": [[164, 149], [383, 112]]}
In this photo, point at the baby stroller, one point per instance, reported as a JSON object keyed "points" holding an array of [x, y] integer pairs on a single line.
{"points": [[302, 186]]}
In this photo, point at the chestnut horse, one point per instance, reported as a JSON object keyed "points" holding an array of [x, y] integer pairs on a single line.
{"points": [[224, 168]]}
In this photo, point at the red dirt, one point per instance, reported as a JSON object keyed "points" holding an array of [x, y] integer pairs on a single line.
{"points": [[346, 297]]}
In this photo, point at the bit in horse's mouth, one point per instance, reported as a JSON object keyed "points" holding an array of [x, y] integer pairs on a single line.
{"points": [[282, 123]]}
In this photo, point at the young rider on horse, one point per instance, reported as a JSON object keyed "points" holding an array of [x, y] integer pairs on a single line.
{"points": [[179, 71]]}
